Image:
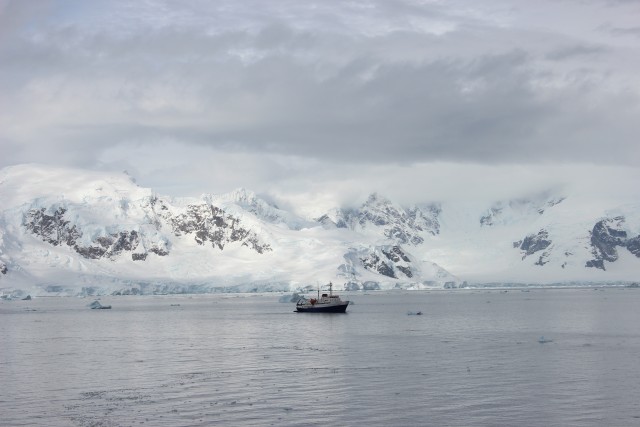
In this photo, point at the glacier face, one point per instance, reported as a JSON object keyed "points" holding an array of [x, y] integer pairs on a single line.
{"points": [[75, 231]]}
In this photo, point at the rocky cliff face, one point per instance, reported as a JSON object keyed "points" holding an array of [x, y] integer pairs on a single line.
{"points": [[605, 239], [53, 227], [390, 261], [378, 214], [206, 223], [535, 243], [607, 236], [88, 227], [211, 224]]}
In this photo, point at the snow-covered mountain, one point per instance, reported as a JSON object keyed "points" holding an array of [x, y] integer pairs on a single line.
{"points": [[75, 231]]}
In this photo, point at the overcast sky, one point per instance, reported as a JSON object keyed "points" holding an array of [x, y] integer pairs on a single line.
{"points": [[326, 100]]}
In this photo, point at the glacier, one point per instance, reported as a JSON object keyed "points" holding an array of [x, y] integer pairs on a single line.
{"points": [[69, 231]]}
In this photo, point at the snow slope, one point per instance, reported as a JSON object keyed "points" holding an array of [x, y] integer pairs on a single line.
{"points": [[75, 231]]}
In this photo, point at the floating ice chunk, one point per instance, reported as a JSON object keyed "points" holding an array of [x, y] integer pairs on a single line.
{"points": [[96, 305]]}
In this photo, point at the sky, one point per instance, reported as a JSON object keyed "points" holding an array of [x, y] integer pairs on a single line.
{"points": [[323, 102]]}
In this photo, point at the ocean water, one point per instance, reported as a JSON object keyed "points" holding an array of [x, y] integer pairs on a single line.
{"points": [[472, 359]]}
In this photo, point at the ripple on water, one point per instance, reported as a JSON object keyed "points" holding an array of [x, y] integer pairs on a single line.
{"points": [[250, 361]]}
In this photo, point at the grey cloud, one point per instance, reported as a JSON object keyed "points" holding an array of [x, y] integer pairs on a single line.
{"points": [[16, 15], [575, 51], [367, 87], [629, 31]]}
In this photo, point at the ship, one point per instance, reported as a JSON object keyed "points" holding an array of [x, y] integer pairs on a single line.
{"points": [[327, 303]]}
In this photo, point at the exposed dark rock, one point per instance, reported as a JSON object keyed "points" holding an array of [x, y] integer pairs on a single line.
{"points": [[206, 222], [326, 221], [544, 258], [105, 241], [370, 262], [374, 263], [56, 230], [596, 263], [93, 252], [426, 218], [633, 245], [406, 270], [535, 242], [128, 291], [489, 219], [114, 244], [606, 236], [3, 268], [400, 235], [159, 251], [405, 226], [557, 201], [126, 241], [53, 228], [386, 260], [252, 242], [396, 254], [211, 224]]}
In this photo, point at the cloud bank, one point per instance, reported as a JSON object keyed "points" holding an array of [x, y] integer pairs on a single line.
{"points": [[206, 96]]}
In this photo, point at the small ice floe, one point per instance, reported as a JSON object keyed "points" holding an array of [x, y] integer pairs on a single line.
{"points": [[414, 313], [543, 340], [96, 305]]}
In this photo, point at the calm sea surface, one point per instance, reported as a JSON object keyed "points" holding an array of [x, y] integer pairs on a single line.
{"points": [[472, 359]]}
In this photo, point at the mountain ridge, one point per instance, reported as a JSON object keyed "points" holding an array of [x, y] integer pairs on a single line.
{"points": [[82, 232]]}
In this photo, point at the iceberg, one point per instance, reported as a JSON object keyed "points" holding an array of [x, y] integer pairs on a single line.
{"points": [[96, 305]]}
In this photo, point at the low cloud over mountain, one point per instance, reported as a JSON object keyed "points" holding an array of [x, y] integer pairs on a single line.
{"points": [[74, 231]]}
